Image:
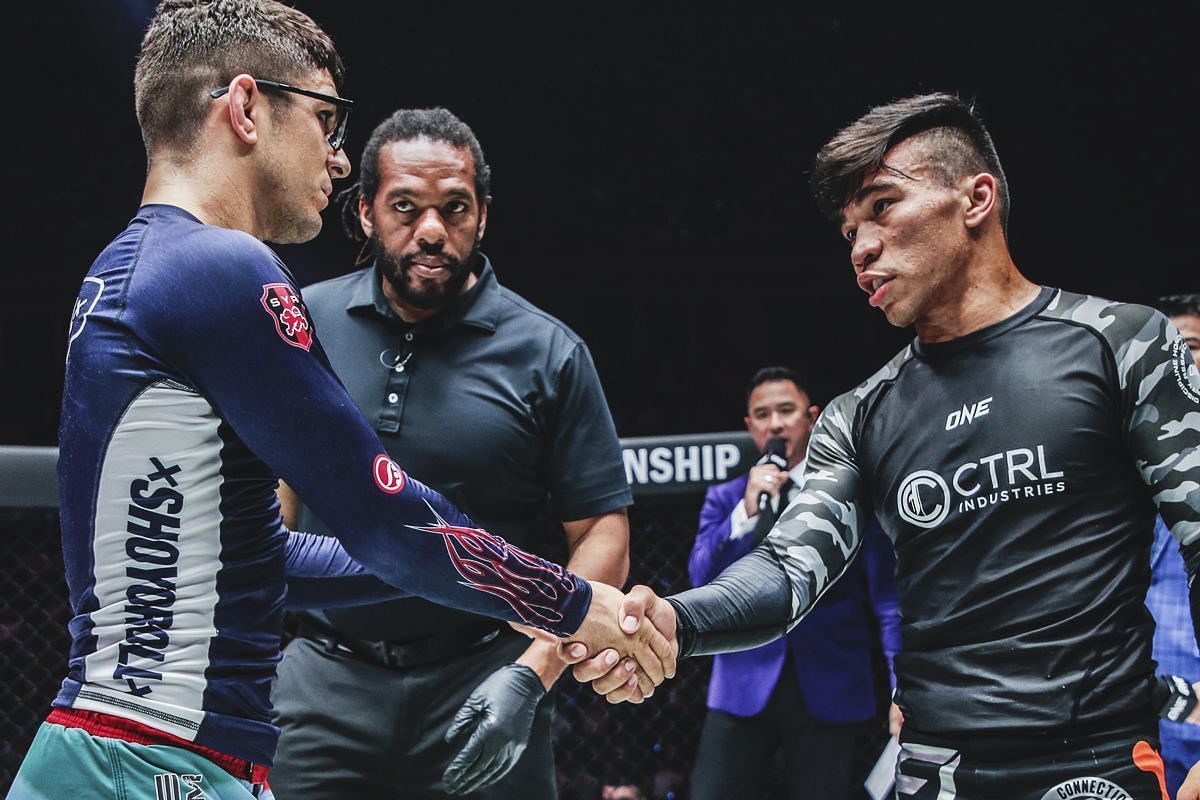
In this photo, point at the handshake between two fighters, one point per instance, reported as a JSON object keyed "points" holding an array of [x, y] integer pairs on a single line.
{"points": [[626, 646]]}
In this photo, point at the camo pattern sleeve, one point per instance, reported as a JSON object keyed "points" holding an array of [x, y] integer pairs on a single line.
{"points": [[1160, 399], [764, 594], [820, 532]]}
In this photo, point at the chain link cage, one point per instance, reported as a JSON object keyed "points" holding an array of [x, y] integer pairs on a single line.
{"points": [[651, 745]]}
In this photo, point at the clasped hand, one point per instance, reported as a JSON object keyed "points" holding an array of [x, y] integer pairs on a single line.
{"points": [[623, 657]]}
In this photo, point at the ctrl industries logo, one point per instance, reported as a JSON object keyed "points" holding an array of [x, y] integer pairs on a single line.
{"points": [[923, 499]]}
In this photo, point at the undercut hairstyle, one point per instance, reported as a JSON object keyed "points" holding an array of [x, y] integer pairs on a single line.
{"points": [[951, 133], [1179, 305], [778, 373], [406, 125], [195, 46]]}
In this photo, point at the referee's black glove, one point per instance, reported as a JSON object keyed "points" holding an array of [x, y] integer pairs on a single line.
{"points": [[498, 716]]}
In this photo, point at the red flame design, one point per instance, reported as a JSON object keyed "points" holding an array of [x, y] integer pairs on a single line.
{"points": [[533, 587]]}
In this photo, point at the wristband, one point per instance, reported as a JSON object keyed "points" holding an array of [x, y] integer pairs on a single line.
{"points": [[1181, 700]]}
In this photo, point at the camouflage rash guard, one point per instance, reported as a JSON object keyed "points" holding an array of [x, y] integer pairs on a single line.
{"points": [[1017, 470]]}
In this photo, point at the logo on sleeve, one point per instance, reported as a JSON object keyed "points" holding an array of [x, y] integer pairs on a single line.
{"points": [[1184, 367], [388, 475], [89, 296], [291, 320]]}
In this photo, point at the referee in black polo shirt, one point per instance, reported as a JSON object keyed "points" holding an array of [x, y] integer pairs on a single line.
{"points": [[497, 405]]}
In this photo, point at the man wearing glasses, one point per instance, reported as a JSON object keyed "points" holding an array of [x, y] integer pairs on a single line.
{"points": [[334, 121], [193, 380]]}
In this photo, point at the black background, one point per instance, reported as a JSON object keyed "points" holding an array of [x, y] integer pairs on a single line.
{"points": [[650, 165]]}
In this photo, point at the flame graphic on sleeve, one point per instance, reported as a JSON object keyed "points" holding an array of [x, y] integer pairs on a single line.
{"points": [[535, 589]]}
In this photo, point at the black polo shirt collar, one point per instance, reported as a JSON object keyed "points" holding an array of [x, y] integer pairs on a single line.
{"points": [[479, 307]]}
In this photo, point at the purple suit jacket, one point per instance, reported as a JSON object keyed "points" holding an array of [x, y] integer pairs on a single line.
{"points": [[831, 647]]}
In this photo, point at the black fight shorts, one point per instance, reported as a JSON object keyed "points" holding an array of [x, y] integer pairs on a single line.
{"points": [[1115, 765]]}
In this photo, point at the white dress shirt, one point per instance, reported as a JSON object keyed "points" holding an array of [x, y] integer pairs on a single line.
{"points": [[741, 523]]}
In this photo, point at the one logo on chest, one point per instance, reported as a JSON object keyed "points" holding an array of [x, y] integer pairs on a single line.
{"points": [[969, 413], [291, 321]]}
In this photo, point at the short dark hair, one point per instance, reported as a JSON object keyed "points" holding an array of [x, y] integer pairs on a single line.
{"points": [[195, 46], [1178, 305], [408, 124], [617, 783], [777, 373], [951, 128]]}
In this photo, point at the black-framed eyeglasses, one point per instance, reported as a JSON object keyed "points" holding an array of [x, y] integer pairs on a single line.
{"points": [[338, 137]]}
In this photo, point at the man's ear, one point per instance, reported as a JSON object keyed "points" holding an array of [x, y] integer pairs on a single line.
{"points": [[364, 217], [482, 223], [244, 101], [981, 199]]}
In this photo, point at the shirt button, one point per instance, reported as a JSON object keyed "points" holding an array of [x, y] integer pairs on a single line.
{"points": [[408, 337], [399, 368], [393, 397]]}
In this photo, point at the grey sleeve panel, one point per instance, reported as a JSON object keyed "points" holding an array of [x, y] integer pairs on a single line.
{"points": [[1159, 389], [820, 532], [763, 595], [748, 605]]}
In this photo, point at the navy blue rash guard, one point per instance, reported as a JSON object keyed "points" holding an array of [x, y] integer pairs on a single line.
{"points": [[193, 381]]}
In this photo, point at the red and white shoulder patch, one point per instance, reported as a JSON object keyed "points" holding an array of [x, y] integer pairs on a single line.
{"points": [[388, 475], [289, 314]]}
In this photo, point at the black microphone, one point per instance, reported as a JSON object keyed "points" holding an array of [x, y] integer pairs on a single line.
{"points": [[775, 453]]}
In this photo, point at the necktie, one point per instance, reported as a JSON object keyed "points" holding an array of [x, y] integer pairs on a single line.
{"points": [[786, 493], [767, 519]]}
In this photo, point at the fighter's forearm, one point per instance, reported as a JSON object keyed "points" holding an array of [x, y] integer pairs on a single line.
{"points": [[748, 605], [599, 548], [321, 574]]}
